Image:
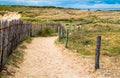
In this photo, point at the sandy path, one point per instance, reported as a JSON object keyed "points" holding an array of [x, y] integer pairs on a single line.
{"points": [[45, 60]]}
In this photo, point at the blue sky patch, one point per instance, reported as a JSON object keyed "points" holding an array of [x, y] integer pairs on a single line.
{"points": [[66, 3]]}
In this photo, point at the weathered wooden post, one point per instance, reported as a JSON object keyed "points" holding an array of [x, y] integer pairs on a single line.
{"points": [[67, 34], [59, 33], [97, 55], [3, 36], [78, 28], [30, 29], [1, 45]]}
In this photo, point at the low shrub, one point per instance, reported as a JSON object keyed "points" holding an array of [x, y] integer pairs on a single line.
{"points": [[114, 50], [47, 32]]}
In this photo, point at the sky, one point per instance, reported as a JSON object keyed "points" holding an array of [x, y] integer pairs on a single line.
{"points": [[65, 3]]}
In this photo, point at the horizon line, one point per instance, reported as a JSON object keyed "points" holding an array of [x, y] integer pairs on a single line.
{"points": [[58, 7]]}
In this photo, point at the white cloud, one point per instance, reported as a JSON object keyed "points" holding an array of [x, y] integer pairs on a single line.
{"points": [[39, 2], [95, 6], [106, 5], [33, 2], [64, 3]]}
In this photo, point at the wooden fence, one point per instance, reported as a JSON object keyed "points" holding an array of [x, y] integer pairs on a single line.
{"points": [[12, 32], [36, 27]]}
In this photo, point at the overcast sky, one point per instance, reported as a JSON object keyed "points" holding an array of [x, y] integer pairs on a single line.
{"points": [[66, 3]]}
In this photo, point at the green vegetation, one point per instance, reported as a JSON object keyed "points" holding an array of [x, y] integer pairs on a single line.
{"points": [[55, 14], [27, 40], [22, 47], [34, 20], [47, 32], [33, 13], [84, 39], [94, 23], [23, 8]]}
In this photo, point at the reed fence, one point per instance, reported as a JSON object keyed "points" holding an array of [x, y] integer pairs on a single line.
{"points": [[13, 32]]}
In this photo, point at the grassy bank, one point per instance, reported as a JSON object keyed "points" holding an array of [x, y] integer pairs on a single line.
{"points": [[52, 14], [84, 39], [94, 23]]}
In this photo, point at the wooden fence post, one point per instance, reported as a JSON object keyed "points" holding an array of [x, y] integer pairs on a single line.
{"points": [[1, 47], [67, 34], [59, 33], [97, 55], [78, 28], [30, 29]]}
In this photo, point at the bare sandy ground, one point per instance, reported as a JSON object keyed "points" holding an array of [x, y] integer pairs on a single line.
{"points": [[11, 16], [43, 59]]}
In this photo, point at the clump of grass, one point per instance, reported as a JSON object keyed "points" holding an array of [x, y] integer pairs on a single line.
{"points": [[29, 40], [22, 47], [84, 52], [83, 41], [86, 42], [47, 32], [2, 76], [34, 19], [65, 19], [114, 50]]}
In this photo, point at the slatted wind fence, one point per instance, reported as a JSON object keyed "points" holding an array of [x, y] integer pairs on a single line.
{"points": [[37, 27], [12, 32]]}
